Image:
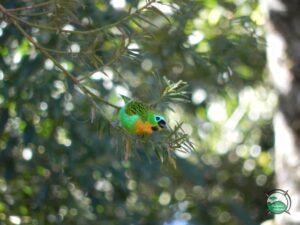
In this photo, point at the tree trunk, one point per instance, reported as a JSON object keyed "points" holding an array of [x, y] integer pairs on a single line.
{"points": [[283, 53]]}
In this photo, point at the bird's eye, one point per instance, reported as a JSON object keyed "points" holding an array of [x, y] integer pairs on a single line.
{"points": [[157, 118]]}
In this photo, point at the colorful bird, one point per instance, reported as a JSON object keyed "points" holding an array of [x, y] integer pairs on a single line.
{"points": [[138, 118]]}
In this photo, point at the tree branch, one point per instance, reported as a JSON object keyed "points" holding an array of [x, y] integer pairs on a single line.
{"points": [[85, 90]]}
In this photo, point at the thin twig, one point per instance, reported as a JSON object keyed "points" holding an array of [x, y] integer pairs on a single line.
{"points": [[117, 56], [64, 52], [34, 14]]}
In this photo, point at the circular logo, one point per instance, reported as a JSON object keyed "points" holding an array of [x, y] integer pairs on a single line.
{"points": [[278, 201]]}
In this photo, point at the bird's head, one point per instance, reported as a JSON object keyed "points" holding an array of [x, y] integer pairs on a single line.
{"points": [[158, 121]]}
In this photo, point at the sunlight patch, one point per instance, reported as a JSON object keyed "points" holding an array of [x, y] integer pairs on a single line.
{"points": [[118, 4]]}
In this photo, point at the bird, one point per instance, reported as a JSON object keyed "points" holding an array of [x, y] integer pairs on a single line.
{"points": [[138, 118]]}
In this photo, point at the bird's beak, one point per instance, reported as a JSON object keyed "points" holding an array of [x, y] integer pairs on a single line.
{"points": [[162, 124], [154, 128]]}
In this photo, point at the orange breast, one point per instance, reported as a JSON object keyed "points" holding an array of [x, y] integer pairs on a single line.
{"points": [[141, 127]]}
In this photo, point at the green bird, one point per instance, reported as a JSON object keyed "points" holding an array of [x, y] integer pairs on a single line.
{"points": [[138, 118]]}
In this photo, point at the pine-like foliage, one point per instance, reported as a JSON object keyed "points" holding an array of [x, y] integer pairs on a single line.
{"points": [[64, 65], [90, 47]]}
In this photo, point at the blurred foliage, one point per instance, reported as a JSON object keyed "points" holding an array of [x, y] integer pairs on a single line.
{"points": [[61, 160]]}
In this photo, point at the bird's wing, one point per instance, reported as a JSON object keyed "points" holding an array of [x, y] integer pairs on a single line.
{"points": [[137, 108]]}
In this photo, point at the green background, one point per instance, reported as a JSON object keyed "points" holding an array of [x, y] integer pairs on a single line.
{"points": [[62, 162]]}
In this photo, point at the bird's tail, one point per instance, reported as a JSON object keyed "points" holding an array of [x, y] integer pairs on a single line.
{"points": [[126, 99]]}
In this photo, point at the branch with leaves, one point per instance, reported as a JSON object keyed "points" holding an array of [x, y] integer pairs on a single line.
{"points": [[56, 63], [172, 139], [91, 39], [169, 141], [15, 20], [171, 91]]}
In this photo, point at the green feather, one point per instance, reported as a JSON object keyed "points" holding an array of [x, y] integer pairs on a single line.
{"points": [[126, 120], [138, 108]]}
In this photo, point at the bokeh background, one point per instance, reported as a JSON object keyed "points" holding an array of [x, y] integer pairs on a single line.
{"points": [[61, 158]]}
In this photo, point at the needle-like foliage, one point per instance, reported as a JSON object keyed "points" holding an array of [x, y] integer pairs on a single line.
{"points": [[64, 65], [94, 47]]}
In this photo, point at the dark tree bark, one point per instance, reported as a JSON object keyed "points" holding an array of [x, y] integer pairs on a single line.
{"points": [[283, 53]]}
